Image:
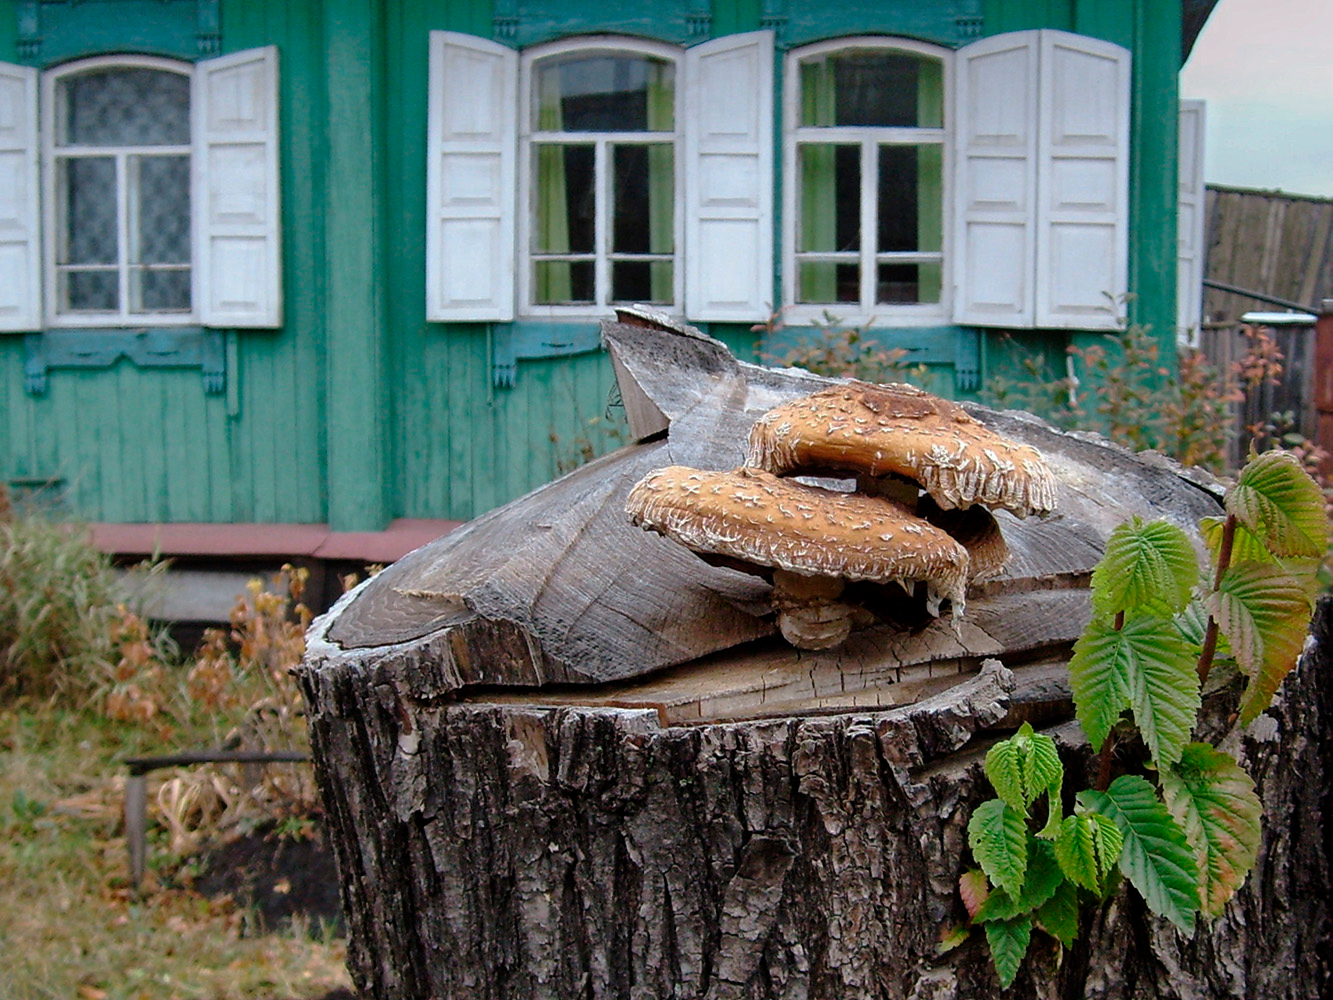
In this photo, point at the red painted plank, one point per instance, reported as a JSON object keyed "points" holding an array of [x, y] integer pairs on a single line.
{"points": [[283, 540]]}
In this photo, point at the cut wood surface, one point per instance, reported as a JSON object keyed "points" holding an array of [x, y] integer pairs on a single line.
{"points": [[563, 758]]}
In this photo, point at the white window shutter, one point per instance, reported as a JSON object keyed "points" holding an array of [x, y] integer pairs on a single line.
{"points": [[471, 140], [1082, 182], [729, 178], [1189, 221], [995, 180], [236, 209], [20, 226]]}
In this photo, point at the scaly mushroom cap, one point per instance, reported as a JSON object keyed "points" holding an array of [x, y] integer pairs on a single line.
{"points": [[880, 429], [756, 517]]}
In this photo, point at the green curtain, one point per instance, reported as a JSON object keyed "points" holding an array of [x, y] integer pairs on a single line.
{"points": [[819, 185], [930, 177], [661, 180], [553, 281]]}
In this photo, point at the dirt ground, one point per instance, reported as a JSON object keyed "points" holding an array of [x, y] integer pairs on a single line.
{"points": [[279, 881]]}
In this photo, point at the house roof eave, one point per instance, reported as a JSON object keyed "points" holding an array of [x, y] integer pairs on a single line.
{"points": [[1193, 16]]}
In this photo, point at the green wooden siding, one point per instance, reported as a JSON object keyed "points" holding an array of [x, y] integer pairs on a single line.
{"points": [[358, 410]]}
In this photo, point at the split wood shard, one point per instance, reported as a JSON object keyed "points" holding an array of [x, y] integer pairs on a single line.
{"points": [[880, 430]]}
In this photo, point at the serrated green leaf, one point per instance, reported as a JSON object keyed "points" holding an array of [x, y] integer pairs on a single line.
{"points": [[1100, 690], [1087, 848], [999, 905], [997, 835], [1004, 769], [1281, 505], [1147, 666], [1043, 875], [1146, 565], [1155, 857], [1264, 615], [1023, 767], [1305, 572], [1043, 771], [1042, 878], [974, 889], [1214, 802], [1058, 916], [1163, 686], [1008, 940]]}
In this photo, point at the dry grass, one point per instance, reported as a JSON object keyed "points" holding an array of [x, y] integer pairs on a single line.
{"points": [[70, 926]]}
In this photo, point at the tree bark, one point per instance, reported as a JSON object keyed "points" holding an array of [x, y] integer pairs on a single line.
{"points": [[502, 852]]}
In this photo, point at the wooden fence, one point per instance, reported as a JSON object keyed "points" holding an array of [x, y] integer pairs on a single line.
{"points": [[1290, 403], [1276, 244]]}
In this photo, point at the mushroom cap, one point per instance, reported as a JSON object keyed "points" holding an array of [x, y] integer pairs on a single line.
{"points": [[880, 429], [754, 516]]}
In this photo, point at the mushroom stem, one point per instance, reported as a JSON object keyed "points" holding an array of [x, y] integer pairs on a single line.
{"points": [[810, 616]]}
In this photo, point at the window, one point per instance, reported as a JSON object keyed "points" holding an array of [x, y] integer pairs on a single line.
{"points": [[866, 160], [599, 166], [145, 193], [118, 155], [599, 170]]}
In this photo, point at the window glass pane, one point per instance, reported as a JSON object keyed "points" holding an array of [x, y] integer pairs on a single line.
{"points": [[604, 93], [561, 282], [830, 217], [125, 107], [564, 182], [817, 281], [908, 283], [877, 88], [643, 193], [830, 221], [159, 198], [89, 291], [160, 290], [88, 211], [641, 281], [910, 210]]}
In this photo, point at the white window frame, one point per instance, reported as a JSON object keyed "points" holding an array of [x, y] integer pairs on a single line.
{"points": [[595, 45], [869, 138], [50, 197]]}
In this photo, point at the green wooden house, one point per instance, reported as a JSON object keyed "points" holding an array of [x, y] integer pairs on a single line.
{"points": [[339, 264]]}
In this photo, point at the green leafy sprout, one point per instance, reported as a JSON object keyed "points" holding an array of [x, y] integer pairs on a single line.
{"points": [[1186, 832]]}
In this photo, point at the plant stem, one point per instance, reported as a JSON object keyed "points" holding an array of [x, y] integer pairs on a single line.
{"points": [[1223, 561], [1104, 764]]}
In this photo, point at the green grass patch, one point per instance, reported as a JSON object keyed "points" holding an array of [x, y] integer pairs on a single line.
{"points": [[84, 685]]}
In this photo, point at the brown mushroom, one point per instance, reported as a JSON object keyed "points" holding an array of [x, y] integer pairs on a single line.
{"points": [[802, 533], [880, 430]]}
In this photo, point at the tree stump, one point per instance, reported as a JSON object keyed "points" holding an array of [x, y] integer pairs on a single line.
{"points": [[565, 758]]}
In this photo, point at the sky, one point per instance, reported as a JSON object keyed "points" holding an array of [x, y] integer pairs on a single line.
{"points": [[1265, 67]]}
